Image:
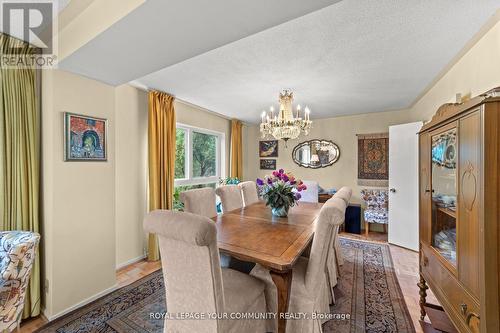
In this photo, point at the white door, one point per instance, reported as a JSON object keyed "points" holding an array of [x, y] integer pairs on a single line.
{"points": [[403, 185]]}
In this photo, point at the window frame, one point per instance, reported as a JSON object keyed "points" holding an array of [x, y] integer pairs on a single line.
{"points": [[220, 158]]}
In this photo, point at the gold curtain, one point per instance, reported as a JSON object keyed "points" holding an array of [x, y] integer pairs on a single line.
{"points": [[236, 149], [20, 156], [161, 135]]}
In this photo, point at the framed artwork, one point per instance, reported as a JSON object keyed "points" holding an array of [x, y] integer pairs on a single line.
{"points": [[84, 138], [373, 159], [268, 148], [268, 164]]}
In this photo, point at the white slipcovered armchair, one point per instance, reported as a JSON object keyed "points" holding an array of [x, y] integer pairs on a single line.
{"points": [[17, 254]]}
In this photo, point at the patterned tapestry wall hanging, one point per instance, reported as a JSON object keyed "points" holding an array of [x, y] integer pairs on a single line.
{"points": [[373, 159]]}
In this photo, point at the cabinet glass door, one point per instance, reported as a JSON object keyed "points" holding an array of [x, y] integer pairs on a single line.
{"points": [[444, 194]]}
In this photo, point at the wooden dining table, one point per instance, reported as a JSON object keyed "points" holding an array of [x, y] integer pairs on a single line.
{"points": [[253, 234]]}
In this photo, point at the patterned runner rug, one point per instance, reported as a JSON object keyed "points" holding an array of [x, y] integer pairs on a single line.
{"points": [[368, 290], [368, 299]]}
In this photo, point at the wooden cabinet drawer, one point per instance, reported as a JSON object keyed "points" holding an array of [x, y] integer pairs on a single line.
{"points": [[460, 306]]}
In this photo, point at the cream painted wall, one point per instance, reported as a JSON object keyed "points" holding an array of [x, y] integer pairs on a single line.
{"points": [[342, 131], [78, 197], [477, 71], [131, 156], [93, 211], [192, 115]]}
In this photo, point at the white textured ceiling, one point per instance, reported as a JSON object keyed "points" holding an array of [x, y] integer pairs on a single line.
{"points": [[351, 57], [160, 33]]}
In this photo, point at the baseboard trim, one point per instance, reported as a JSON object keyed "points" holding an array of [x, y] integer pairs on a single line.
{"points": [[82, 303], [130, 262]]}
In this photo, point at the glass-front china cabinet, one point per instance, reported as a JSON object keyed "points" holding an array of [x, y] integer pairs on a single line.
{"points": [[444, 194], [459, 210]]}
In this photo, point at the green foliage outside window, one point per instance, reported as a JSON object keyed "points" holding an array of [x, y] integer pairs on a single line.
{"points": [[180, 153], [204, 160], [204, 155]]}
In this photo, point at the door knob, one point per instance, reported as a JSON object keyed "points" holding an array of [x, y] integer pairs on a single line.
{"points": [[463, 308], [393, 190]]}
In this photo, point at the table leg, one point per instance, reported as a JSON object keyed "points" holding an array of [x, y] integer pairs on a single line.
{"points": [[283, 282]]}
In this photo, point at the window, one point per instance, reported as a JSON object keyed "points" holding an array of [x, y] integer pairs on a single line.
{"points": [[180, 151], [199, 158]]}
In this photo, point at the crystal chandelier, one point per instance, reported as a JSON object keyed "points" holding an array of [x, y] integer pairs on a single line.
{"points": [[284, 126]]}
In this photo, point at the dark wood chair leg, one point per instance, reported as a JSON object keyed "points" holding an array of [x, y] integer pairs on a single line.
{"points": [[422, 285]]}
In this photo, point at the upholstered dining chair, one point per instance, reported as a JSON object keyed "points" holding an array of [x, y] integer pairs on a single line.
{"points": [[309, 285], [17, 254], [200, 201], [334, 251], [194, 281], [377, 208], [249, 192], [345, 194], [230, 197], [311, 193]]}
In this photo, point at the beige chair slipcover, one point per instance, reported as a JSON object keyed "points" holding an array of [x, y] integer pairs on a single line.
{"points": [[230, 197], [200, 201], [345, 194], [309, 284], [332, 266], [194, 281], [249, 192]]}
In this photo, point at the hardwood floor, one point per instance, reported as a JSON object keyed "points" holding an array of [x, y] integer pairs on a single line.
{"points": [[124, 277], [405, 264]]}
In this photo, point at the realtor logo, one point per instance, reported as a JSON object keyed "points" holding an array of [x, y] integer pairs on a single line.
{"points": [[34, 23]]}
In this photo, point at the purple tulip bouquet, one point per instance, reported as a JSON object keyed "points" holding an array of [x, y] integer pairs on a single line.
{"points": [[281, 191]]}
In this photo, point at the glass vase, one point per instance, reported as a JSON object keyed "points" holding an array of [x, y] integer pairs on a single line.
{"points": [[280, 211]]}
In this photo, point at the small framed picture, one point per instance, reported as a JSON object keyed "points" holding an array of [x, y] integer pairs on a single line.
{"points": [[268, 164], [268, 148], [84, 138]]}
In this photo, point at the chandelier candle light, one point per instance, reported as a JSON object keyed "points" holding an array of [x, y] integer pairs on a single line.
{"points": [[285, 126]]}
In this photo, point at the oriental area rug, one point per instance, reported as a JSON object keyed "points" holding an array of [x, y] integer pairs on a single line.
{"points": [[368, 299]]}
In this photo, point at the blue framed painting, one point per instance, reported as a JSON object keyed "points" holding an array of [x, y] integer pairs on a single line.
{"points": [[84, 138], [268, 148]]}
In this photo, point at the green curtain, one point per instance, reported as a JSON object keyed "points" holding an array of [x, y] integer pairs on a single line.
{"points": [[20, 156]]}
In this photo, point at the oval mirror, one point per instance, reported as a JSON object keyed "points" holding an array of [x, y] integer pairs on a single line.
{"points": [[316, 153]]}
